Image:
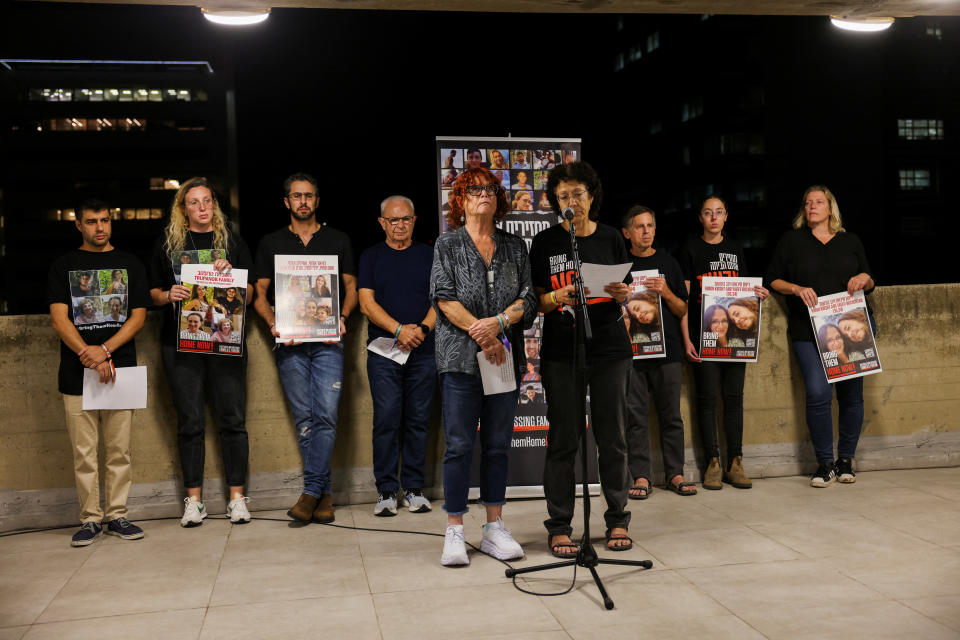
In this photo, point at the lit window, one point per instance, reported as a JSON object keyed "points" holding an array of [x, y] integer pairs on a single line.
{"points": [[914, 179], [920, 129], [155, 95], [619, 63], [156, 214], [656, 127], [935, 32], [619, 23], [68, 214], [653, 41], [115, 213], [126, 95], [129, 214], [691, 109], [183, 95]]}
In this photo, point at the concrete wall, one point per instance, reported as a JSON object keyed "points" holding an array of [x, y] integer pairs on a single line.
{"points": [[912, 415]]}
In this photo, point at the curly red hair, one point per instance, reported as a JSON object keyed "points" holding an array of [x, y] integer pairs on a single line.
{"points": [[458, 194]]}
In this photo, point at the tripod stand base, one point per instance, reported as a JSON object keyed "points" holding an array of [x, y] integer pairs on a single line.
{"points": [[587, 558]]}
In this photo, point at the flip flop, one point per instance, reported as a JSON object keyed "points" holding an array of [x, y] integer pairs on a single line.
{"points": [[645, 492], [678, 488], [619, 536], [554, 548]]}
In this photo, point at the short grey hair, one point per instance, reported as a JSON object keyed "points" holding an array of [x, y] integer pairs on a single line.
{"points": [[404, 199]]}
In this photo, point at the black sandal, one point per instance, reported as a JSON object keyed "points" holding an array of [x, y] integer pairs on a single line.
{"points": [[645, 491], [619, 536], [554, 548], [678, 488]]}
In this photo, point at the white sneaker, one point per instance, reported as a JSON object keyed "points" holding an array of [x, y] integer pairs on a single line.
{"points": [[498, 542], [386, 505], [416, 502], [237, 510], [193, 513], [454, 549]]}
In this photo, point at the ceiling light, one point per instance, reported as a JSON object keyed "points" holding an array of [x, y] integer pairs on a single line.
{"points": [[236, 17], [861, 24]]}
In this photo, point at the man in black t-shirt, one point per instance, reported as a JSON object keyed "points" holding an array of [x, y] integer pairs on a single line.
{"points": [[101, 345], [660, 376], [311, 372]]}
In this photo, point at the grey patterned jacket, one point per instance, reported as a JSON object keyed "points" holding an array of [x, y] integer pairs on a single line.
{"points": [[459, 273]]}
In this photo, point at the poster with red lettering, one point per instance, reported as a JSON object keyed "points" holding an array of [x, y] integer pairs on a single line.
{"points": [[211, 318], [307, 304], [642, 318], [731, 319], [844, 336]]}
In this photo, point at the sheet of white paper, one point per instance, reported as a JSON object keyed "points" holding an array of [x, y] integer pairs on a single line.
{"points": [[129, 391], [597, 276], [496, 378], [387, 348]]}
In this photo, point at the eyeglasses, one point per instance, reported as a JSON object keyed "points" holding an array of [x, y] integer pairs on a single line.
{"points": [[477, 189], [719, 213], [306, 197], [206, 202], [395, 221], [576, 195]]}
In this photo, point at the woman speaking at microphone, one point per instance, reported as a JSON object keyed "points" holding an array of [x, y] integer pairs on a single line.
{"points": [[576, 187]]}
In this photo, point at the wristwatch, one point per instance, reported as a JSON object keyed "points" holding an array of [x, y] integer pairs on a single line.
{"points": [[424, 328]]}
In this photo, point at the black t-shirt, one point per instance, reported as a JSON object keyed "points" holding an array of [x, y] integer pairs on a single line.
{"points": [[400, 281], [162, 276], [551, 268], [667, 266], [99, 309], [801, 259], [327, 241], [700, 259]]}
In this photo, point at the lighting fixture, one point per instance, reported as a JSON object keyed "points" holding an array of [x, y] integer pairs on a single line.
{"points": [[861, 24], [236, 17]]}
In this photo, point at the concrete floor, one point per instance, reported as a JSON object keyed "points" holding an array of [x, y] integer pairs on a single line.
{"points": [[876, 559]]}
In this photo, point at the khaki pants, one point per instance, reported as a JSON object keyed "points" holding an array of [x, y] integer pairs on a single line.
{"points": [[85, 428]]}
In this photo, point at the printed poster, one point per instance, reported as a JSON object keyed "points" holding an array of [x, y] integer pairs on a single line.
{"points": [[212, 317], [643, 315], [194, 256], [99, 297], [521, 165], [306, 301], [731, 319], [844, 336]]}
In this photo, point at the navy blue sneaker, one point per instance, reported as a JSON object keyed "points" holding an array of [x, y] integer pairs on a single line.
{"points": [[86, 535], [125, 529]]}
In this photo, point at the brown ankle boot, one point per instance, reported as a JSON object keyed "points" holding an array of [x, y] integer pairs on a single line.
{"points": [[736, 476], [324, 511], [303, 510], [712, 476]]}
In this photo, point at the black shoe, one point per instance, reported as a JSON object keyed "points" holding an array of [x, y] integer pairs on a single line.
{"points": [[86, 535], [125, 529], [845, 472], [824, 476]]}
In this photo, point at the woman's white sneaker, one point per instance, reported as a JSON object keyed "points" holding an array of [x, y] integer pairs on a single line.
{"points": [[193, 513], [454, 548], [237, 510], [498, 542]]}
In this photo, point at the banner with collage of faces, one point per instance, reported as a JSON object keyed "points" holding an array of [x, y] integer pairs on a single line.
{"points": [[521, 165]]}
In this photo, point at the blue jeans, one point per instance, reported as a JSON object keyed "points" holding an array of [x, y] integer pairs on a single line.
{"points": [[312, 375], [819, 401], [402, 400], [464, 407]]}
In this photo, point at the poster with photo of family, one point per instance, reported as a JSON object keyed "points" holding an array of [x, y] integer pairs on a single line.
{"points": [[194, 256], [845, 340], [643, 314], [731, 319], [306, 300], [99, 297], [212, 316]]}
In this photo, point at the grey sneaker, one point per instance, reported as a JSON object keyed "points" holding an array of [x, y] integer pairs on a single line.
{"points": [[416, 502], [86, 535], [237, 510], [193, 513], [498, 542], [386, 505], [125, 529]]}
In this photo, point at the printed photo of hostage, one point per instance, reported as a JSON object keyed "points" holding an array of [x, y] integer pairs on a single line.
{"points": [[114, 308], [642, 315], [220, 311], [734, 325], [307, 302], [846, 343], [85, 311]]}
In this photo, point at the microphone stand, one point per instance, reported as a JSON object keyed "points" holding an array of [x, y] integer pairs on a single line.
{"points": [[587, 556]]}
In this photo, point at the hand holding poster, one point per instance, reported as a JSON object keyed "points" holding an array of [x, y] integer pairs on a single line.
{"points": [[731, 319], [643, 314], [211, 319], [307, 304], [844, 336]]}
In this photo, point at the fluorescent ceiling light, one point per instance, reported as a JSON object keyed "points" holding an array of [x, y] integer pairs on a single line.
{"points": [[236, 17], [861, 24]]}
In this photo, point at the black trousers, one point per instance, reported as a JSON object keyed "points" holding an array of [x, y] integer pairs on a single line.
{"points": [[663, 382], [723, 379], [608, 386]]}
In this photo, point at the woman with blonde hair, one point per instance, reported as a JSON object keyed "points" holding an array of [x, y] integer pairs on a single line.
{"points": [[497, 161], [197, 224], [818, 258]]}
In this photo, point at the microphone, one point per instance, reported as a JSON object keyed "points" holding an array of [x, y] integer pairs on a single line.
{"points": [[567, 214]]}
